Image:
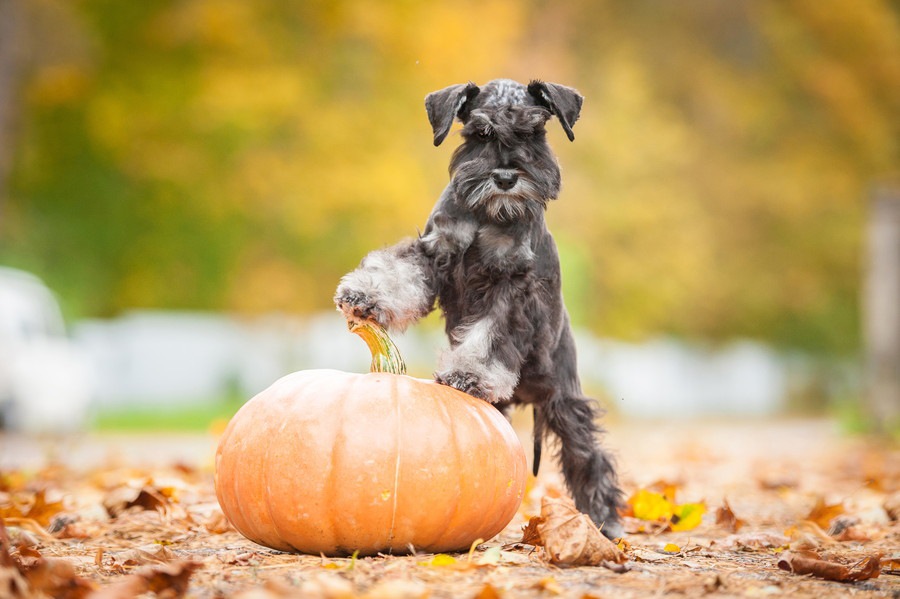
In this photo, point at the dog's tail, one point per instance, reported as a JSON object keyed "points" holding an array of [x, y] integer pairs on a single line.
{"points": [[538, 434]]}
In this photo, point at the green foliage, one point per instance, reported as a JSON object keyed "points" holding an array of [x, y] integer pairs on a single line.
{"points": [[243, 155]]}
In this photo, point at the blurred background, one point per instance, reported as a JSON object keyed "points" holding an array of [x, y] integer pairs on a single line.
{"points": [[191, 178]]}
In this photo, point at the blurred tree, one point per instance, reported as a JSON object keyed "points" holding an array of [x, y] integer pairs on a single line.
{"points": [[242, 156]]}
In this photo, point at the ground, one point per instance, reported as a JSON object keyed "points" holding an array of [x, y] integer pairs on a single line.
{"points": [[117, 516]]}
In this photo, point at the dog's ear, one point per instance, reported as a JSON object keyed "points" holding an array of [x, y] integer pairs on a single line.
{"points": [[562, 101], [446, 104]]}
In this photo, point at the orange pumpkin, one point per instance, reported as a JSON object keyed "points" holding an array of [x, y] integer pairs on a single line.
{"points": [[331, 462]]}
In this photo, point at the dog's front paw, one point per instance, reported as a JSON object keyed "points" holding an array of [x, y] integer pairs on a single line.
{"points": [[357, 305], [466, 382]]}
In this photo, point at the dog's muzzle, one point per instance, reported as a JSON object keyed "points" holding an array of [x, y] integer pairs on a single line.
{"points": [[505, 179]]}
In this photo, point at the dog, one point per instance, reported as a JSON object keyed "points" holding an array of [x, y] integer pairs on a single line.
{"points": [[488, 260]]}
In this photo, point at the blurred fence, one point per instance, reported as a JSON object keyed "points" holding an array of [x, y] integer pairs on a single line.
{"points": [[166, 358]]}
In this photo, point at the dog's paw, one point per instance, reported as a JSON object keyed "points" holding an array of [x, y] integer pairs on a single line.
{"points": [[357, 306], [466, 382]]}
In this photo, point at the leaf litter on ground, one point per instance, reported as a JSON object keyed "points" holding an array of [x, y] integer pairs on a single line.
{"points": [[146, 548]]}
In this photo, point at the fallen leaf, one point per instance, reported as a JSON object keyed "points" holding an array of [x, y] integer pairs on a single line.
{"points": [[891, 505], [490, 557], [808, 534], [530, 534], [636, 526], [440, 560], [152, 553], [652, 506], [754, 541], [570, 538], [809, 562], [168, 580], [217, 523], [549, 584], [822, 513], [36, 576], [688, 516], [36, 508], [648, 505], [487, 592], [123, 497], [672, 548], [726, 518]]}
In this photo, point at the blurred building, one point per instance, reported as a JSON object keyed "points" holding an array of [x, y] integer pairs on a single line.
{"points": [[45, 379]]}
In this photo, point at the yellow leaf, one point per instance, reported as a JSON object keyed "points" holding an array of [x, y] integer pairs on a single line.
{"points": [[647, 505], [688, 516], [672, 548], [440, 560]]}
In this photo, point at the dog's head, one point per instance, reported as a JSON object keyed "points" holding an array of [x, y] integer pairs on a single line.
{"points": [[504, 169]]}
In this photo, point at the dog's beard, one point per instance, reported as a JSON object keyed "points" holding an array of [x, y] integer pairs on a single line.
{"points": [[523, 202]]}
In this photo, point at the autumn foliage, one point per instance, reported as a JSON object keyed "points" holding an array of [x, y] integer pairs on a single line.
{"points": [[191, 154]]}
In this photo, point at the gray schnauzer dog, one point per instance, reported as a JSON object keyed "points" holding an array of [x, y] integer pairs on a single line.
{"points": [[489, 261]]}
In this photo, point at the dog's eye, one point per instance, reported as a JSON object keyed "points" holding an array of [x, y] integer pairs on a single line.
{"points": [[485, 134]]}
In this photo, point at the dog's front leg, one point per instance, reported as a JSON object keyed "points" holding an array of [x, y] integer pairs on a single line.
{"points": [[487, 351], [393, 286]]}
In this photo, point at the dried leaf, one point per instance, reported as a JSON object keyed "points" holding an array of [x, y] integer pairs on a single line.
{"points": [[570, 538], [891, 505], [123, 497], [636, 526], [822, 514], [217, 523], [726, 518], [809, 562], [530, 534], [169, 580], [808, 534], [56, 577], [37, 508], [487, 592], [152, 553], [754, 541], [550, 585]]}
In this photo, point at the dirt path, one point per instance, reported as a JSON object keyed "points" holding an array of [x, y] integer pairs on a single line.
{"points": [[772, 474]]}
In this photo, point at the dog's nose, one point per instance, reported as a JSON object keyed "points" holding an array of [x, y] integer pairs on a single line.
{"points": [[505, 179]]}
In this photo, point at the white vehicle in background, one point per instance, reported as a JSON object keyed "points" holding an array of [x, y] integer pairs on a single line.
{"points": [[45, 382]]}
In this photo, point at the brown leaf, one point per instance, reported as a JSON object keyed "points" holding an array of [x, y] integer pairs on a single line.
{"points": [[29, 574], [570, 538], [636, 525], [822, 514], [56, 577], [809, 562], [123, 497], [169, 581], [487, 592], [726, 518], [217, 523], [891, 505], [152, 553], [754, 541], [38, 509], [530, 534]]}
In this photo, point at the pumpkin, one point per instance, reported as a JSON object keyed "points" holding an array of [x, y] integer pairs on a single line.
{"points": [[331, 462]]}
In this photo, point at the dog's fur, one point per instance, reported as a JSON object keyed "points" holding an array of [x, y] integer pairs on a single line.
{"points": [[488, 259]]}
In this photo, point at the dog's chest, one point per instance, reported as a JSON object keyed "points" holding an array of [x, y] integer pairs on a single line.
{"points": [[499, 250]]}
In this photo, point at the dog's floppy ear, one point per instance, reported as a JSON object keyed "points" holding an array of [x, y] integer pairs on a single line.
{"points": [[562, 101], [446, 104]]}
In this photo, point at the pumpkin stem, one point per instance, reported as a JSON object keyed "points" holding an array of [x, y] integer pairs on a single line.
{"points": [[385, 355]]}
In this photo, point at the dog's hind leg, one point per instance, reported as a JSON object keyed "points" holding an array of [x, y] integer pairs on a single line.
{"points": [[571, 417], [588, 470]]}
